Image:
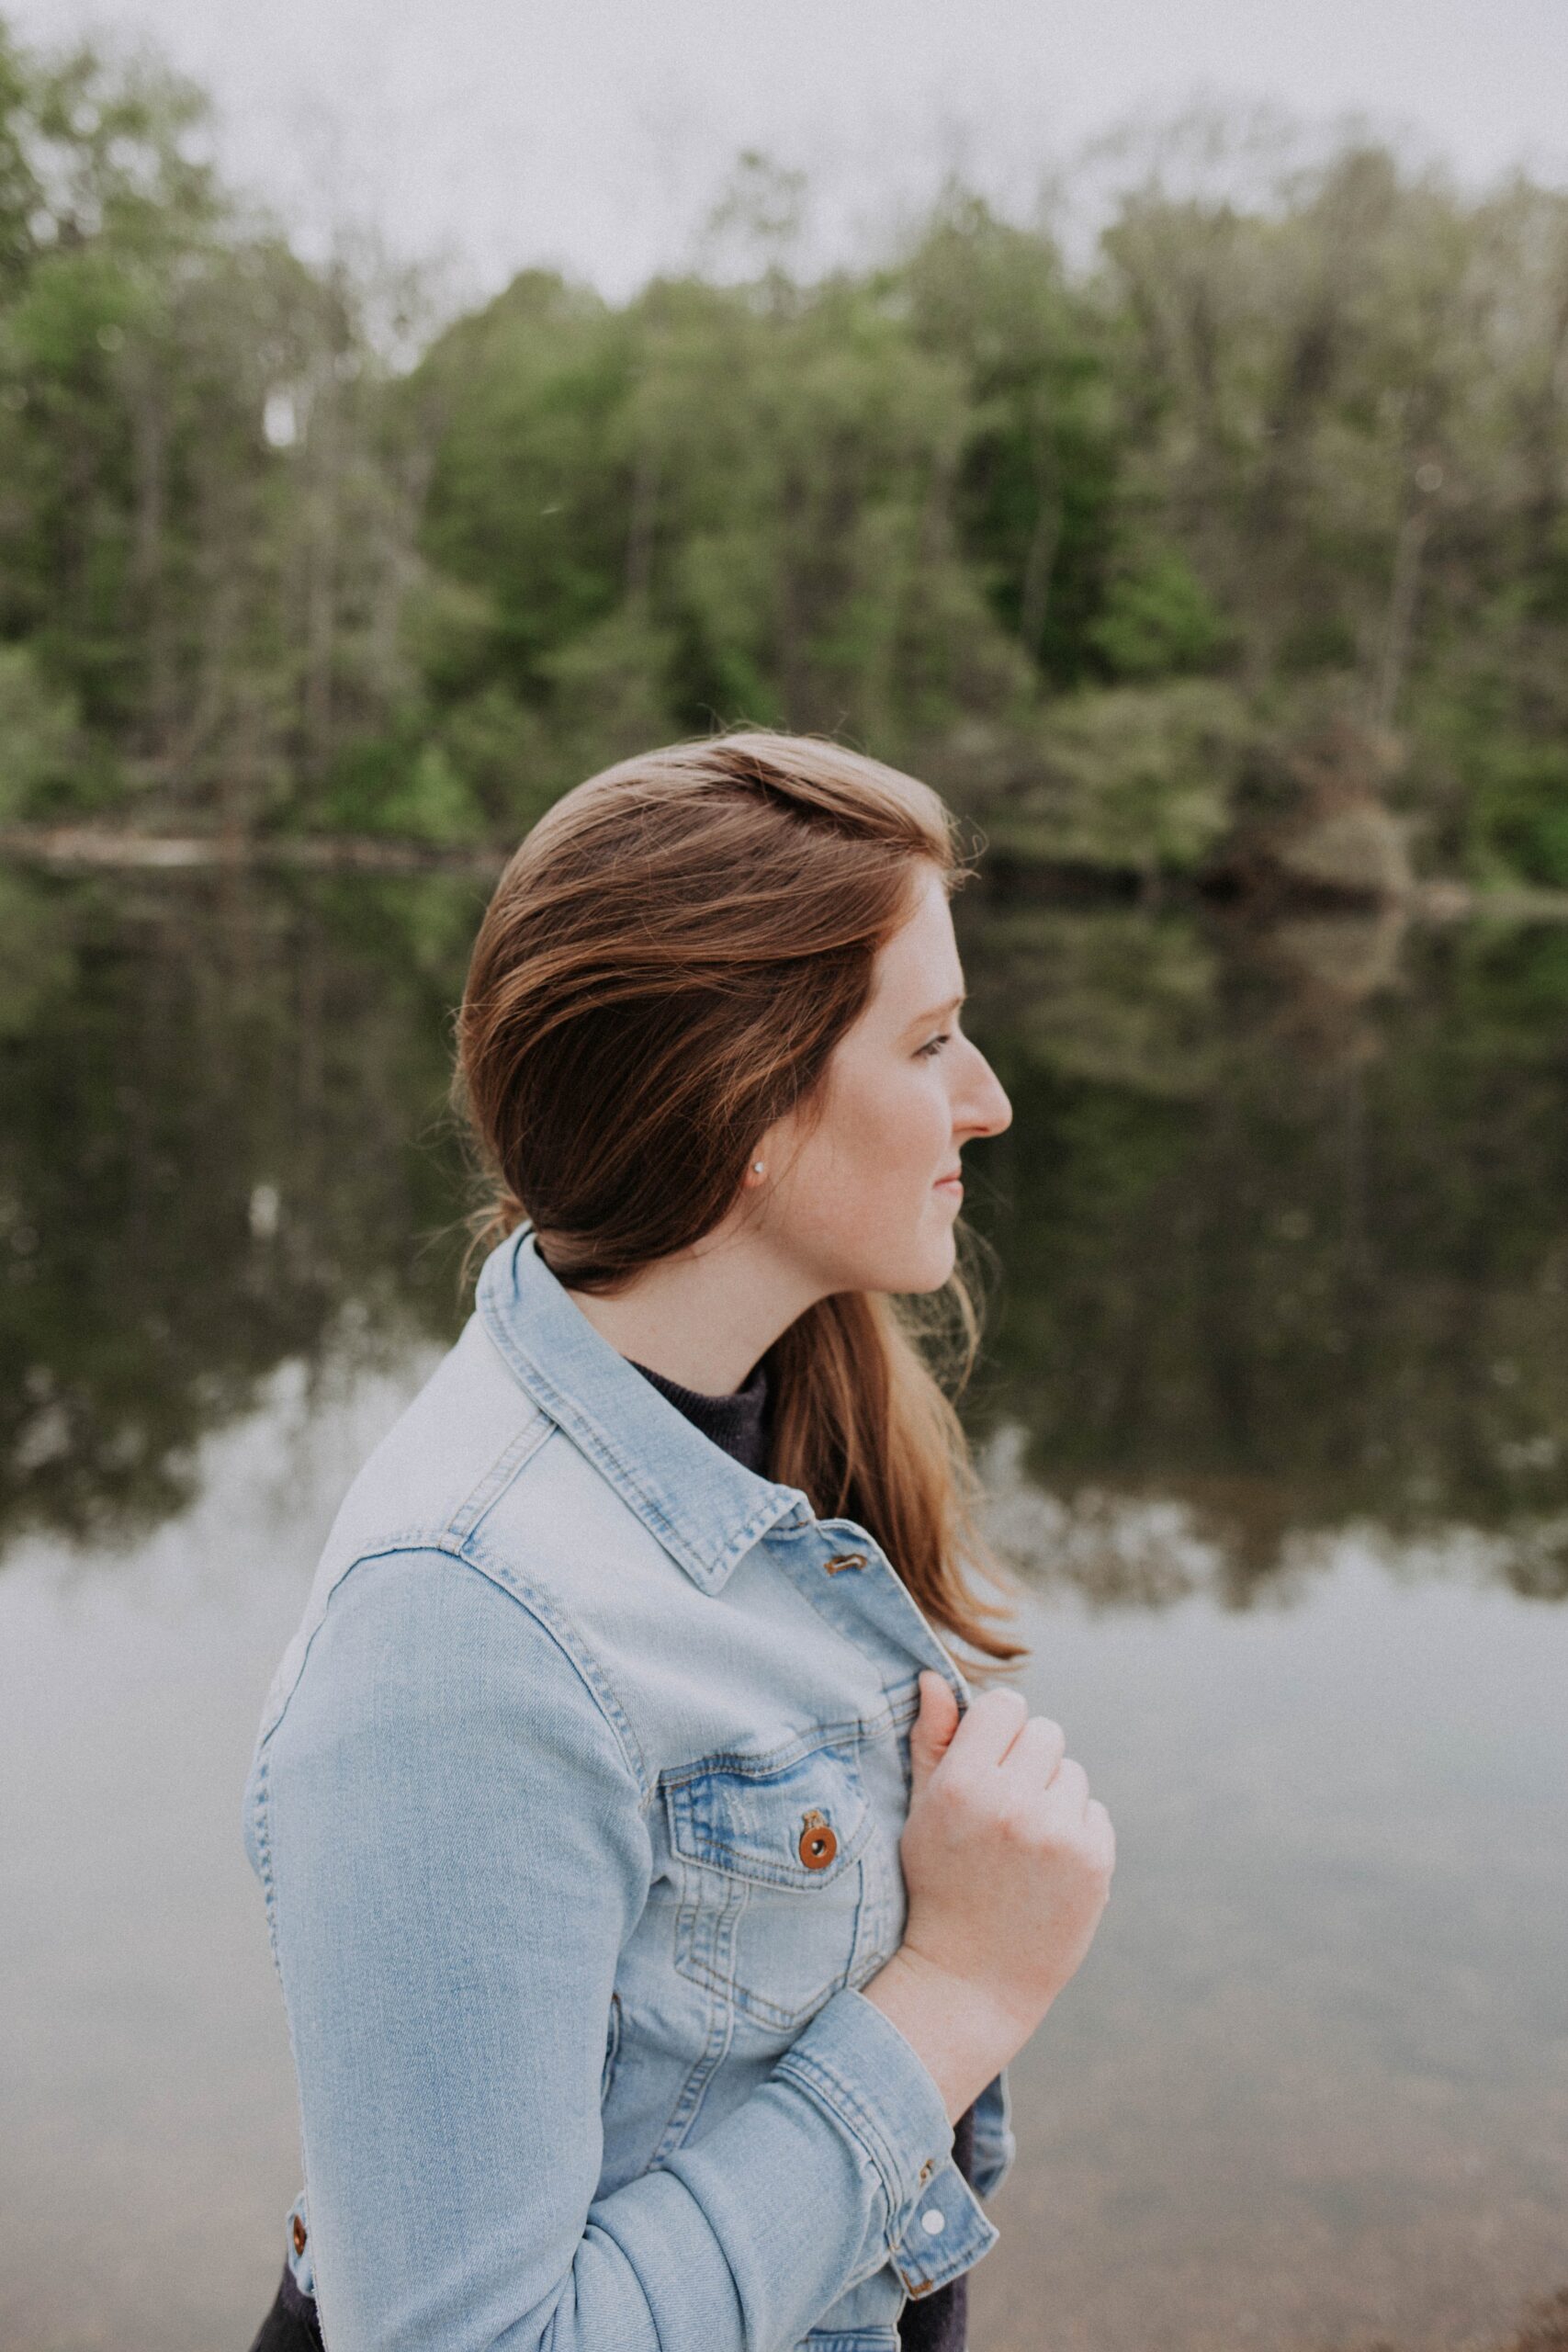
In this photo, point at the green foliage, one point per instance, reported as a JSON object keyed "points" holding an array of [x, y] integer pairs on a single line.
{"points": [[430, 801], [405, 784], [1157, 618], [38, 960], [1059, 535], [527, 504], [174, 1098], [204, 524], [1037, 487], [1140, 777], [1521, 811], [501, 750], [38, 737], [1281, 1211]]}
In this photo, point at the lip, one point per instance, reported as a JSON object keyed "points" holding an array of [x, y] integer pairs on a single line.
{"points": [[954, 1184]]}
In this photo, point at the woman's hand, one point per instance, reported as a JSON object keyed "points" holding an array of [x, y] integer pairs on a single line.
{"points": [[1008, 1862]]}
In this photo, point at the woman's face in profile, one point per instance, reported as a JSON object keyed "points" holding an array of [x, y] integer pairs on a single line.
{"points": [[859, 1196]]}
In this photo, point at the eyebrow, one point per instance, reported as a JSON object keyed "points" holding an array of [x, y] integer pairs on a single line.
{"points": [[938, 1011]]}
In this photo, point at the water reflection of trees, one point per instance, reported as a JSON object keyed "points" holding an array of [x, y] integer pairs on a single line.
{"points": [[1285, 1227], [1281, 1212], [221, 1123]]}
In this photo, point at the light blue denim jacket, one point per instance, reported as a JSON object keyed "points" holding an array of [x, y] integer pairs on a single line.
{"points": [[576, 1807]]}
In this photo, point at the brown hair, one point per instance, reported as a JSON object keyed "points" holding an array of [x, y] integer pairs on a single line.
{"points": [[744, 885]]}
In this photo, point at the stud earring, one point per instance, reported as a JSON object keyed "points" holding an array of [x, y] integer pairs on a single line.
{"points": [[758, 1166]]}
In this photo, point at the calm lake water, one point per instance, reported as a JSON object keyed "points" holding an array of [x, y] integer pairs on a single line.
{"points": [[1275, 1418]]}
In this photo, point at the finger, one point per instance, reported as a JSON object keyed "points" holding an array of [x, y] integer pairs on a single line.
{"points": [[993, 1721], [1069, 1790], [1037, 1751], [933, 1729]]}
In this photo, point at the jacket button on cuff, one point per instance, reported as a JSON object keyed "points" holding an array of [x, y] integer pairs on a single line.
{"points": [[299, 2234], [817, 1844]]}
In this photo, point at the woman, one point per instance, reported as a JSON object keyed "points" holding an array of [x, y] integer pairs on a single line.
{"points": [[655, 1914]]}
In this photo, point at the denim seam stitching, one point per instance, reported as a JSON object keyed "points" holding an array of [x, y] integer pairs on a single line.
{"points": [[755, 1763], [938, 2273], [851, 2339], [513, 1459], [718, 1853], [383, 1548], [564, 1412], [553, 1619], [835, 2095], [269, 1892], [719, 2039], [732, 1863], [757, 2005], [923, 2282], [819, 1609], [263, 1848], [474, 1555], [585, 1432]]}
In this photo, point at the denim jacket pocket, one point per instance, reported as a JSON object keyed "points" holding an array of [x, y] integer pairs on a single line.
{"points": [[774, 1884]]}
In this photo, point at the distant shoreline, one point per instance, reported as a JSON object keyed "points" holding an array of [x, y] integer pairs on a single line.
{"points": [[101, 845], [1435, 899]]}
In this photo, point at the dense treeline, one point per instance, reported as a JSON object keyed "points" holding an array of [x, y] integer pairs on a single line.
{"points": [[1266, 505]]}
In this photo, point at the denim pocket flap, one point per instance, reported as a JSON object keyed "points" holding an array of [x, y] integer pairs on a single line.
{"points": [[798, 1825]]}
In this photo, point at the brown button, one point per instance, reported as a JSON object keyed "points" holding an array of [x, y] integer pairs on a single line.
{"points": [[926, 2171], [299, 2234], [817, 1844], [844, 1560]]}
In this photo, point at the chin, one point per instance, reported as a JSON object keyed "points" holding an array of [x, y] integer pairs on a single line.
{"points": [[925, 1265]]}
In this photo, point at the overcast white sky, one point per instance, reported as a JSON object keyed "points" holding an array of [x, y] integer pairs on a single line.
{"points": [[594, 134]]}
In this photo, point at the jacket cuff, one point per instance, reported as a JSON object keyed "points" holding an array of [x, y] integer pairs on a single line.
{"points": [[995, 2144], [855, 2064]]}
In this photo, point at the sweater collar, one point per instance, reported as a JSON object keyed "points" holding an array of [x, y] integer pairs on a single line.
{"points": [[737, 1421]]}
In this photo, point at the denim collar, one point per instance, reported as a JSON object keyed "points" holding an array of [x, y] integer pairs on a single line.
{"points": [[705, 1508]]}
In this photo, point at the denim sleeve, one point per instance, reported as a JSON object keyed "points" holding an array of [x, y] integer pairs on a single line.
{"points": [[448, 1824]]}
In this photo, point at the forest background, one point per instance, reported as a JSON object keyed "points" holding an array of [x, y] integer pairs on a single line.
{"points": [[1260, 507]]}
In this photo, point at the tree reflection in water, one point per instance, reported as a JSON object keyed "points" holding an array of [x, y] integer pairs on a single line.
{"points": [[1281, 1214]]}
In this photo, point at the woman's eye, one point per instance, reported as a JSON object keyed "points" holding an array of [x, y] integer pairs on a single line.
{"points": [[934, 1046]]}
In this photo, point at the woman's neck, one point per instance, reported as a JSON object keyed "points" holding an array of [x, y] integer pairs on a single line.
{"points": [[703, 1317]]}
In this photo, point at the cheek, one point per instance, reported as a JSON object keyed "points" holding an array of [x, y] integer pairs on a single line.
{"points": [[890, 1144]]}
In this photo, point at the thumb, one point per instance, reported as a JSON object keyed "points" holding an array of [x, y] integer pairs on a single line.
{"points": [[933, 1729]]}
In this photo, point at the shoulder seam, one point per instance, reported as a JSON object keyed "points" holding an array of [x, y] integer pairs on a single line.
{"points": [[554, 1621], [513, 1457], [476, 1556]]}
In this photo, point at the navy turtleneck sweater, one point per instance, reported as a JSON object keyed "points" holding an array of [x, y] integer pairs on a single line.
{"points": [[739, 1422]]}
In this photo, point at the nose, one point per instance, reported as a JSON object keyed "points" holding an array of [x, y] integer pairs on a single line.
{"points": [[981, 1108]]}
